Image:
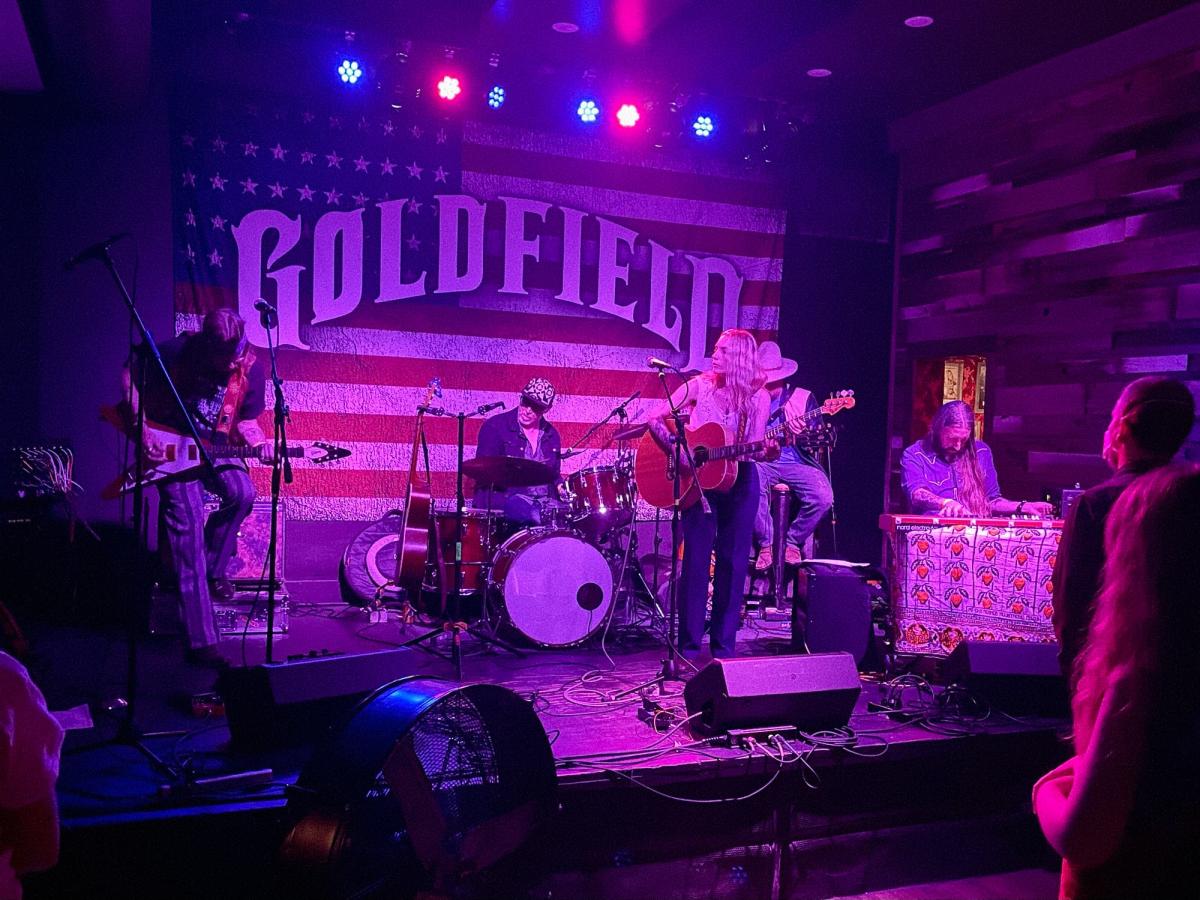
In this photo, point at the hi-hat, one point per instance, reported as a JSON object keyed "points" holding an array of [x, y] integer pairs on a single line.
{"points": [[507, 471]]}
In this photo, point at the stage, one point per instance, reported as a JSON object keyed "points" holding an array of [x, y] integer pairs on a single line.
{"points": [[646, 806]]}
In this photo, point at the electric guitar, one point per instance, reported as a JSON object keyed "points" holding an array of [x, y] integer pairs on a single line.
{"points": [[716, 456], [181, 455]]}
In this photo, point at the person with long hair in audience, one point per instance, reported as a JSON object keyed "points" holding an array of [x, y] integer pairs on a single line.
{"points": [[1124, 811], [732, 395]]}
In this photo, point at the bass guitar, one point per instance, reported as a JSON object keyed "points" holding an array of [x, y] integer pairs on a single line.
{"points": [[715, 454], [180, 455], [413, 551]]}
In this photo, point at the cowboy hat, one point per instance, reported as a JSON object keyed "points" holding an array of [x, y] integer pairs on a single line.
{"points": [[773, 365]]}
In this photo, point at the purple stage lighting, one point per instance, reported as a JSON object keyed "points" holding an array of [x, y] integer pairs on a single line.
{"points": [[349, 71], [496, 97], [588, 112], [703, 126]]}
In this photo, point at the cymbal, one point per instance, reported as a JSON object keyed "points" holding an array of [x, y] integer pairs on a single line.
{"points": [[631, 432], [507, 471]]}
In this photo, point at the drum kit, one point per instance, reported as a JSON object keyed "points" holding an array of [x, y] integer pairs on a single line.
{"points": [[552, 584]]}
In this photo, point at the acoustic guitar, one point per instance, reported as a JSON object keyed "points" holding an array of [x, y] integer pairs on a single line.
{"points": [[715, 454], [413, 551]]}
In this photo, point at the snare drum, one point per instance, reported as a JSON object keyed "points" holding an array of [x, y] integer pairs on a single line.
{"points": [[554, 589], [479, 531], [601, 499]]}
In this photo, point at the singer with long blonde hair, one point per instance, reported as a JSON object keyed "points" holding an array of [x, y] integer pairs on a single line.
{"points": [[732, 395]]}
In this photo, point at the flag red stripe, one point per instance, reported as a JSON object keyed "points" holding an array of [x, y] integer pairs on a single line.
{"points": [[615, 176]]}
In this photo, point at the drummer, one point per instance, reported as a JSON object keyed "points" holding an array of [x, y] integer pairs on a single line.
{"points": [[524, 433]]}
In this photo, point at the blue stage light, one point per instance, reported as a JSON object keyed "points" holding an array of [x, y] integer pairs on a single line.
{"points": [[349, 71], [496, 97], [703, 126], [588, 112]]}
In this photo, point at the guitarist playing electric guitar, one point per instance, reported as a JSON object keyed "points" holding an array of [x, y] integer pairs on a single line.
{"points": [[223, 387], [728, 397]]}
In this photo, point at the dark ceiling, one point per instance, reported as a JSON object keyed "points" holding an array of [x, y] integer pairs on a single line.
{"points": [[733, 51]]}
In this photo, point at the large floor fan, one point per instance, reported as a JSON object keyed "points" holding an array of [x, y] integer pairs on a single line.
{"points": [[421, 789]]}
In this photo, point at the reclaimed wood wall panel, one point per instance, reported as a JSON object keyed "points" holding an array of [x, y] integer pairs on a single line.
{"points": [[1063, 243]]}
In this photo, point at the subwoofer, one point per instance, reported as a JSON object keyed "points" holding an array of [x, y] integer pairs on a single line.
{"points": [[811, 692]]}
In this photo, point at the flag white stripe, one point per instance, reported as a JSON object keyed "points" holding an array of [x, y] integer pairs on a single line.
{"points": [[630, 204], [386, 456]]}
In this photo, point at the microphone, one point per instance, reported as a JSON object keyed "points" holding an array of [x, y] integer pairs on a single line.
{"points": [[488, 407], [267, 314], [655, 363], [93, 252]]}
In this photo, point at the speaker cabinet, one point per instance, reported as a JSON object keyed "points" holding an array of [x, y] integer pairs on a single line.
{"points": [[834, 612], [292, 702], [811, 692], [1013, 677]]}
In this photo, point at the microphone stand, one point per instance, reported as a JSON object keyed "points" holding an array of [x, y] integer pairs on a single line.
{"points": [[281, 470], [679, 450], [618, 411], [455, 626], [127, 731]]}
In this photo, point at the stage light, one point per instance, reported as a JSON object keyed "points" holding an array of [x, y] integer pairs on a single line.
{"points": [[496, 97], [703, 126], [349, 71], [819, 73], [918, 21], [449, 87], [588, 112], [628, 115]]}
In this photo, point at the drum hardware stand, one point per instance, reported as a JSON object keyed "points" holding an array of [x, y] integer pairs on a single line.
{"points": [[680, 449], [127, 731], [455, 627]]}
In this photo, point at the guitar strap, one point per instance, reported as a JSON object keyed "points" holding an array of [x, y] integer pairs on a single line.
{"points": [[235, 389]]}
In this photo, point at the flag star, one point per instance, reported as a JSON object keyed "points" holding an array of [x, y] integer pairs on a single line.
{"points": [[189, 140], [189, 178], [363, 124], [360, 199], [190, 253], [441, 136], [249, 186], [439, 174], [307, 117], [415, 131], [278, 152], [335, 161], [387, 166], [249, 149], [335, 122], [307, 157], [414, 205], [306, 193], [218, 182], [388, 127], [189, 218], [413, 243], [332, 197], [218, 145], [277, 189], [361, 164], [214, 259], [414, 170], [218, 223]]}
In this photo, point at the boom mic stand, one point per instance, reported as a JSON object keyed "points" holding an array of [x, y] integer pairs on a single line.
{"points": [[456, 626], [679, 450], [281, 470], [127, 731]]}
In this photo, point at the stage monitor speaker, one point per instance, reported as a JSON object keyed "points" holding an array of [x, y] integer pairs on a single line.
{"points": [[292, 702], [1013, 677], [834, 613], [812, 692]]}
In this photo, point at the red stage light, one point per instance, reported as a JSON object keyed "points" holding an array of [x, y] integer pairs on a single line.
{"points": [[628, 115], [449, 87]]}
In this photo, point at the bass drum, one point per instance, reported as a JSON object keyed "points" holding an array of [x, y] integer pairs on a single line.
{"points": [[554, 589], [368, 568]]}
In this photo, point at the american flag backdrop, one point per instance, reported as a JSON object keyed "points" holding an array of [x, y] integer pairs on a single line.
{"points": [[363, 374]]}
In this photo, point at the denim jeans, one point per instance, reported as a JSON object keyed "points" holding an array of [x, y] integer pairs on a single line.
{"points": [[811, 489]]}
